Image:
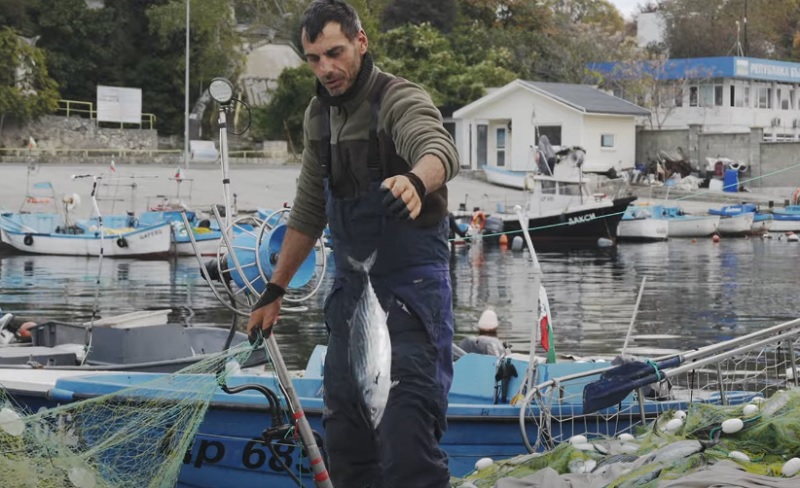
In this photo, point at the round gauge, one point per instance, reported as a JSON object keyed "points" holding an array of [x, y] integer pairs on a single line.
{"points": [[221, 90]]}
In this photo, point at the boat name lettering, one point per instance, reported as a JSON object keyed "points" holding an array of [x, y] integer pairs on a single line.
{"points": [[151, 233], [254, 456], [582, 218], [209, 452]]}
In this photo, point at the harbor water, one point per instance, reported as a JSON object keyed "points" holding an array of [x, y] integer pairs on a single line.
{"points": [[696, 293]]}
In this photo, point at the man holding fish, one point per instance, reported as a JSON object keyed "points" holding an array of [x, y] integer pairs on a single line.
{"points": [[375, 164]]}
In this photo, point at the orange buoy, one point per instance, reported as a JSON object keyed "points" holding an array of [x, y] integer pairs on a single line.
{"points": [[503, 240], [24, 330]]}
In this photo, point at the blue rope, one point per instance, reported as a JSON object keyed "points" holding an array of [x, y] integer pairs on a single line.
{"points": [[655, 368]]}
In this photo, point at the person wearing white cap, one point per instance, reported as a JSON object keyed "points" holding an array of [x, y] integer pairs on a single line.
{"points": [[486, 342]]}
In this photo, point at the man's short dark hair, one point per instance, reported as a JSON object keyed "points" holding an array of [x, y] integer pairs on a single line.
{"points": [[320, 12]]}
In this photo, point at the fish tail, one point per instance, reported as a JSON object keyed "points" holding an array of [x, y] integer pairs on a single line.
{"points": [[365, 265]]}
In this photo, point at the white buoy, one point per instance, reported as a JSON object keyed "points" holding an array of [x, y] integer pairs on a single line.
{"points": [[516, 243], [790, 373], [757, 400], [81, 477], [604, 242], [791, 467], [739, 456], [732, 426], [679, 414], [750, 409], [625, 437], [578, 439], [585, 446], [483, 463], [672, 426], [11, 422]]}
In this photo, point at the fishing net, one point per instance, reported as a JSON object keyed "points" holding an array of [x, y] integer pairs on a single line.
{"points": [[763, 436], [134, 437]]}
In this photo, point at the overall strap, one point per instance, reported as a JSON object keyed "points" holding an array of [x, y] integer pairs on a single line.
{"points": [[374, 166]]}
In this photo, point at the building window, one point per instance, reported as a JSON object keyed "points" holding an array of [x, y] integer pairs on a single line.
{"points": [[607, 140], [553, 133], [483, 132], [692, 96], [501, 146], [747, 96], [717, 95]]}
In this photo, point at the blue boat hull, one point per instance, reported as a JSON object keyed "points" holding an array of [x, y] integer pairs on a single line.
{"points": [[228, 449]]}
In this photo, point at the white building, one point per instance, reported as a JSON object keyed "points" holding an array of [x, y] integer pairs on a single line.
{"points": [[263, 65], [728, 95], [502, 128]]}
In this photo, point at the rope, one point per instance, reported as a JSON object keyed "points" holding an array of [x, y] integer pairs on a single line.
{"points": [[655, 368]]}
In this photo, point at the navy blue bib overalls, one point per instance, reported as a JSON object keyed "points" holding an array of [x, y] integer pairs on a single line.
{"points": [[412, 281]]}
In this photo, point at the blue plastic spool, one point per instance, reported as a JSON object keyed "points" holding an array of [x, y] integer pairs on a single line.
{"points": [[271, 243]]}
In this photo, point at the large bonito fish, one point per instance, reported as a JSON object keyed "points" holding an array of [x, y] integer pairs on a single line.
{"points": [[370, 352]]}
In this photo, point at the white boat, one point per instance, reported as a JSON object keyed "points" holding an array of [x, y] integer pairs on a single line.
{"points": [[736, 225], [638, 225], [504, 177], [46, 234], [681, 224]]}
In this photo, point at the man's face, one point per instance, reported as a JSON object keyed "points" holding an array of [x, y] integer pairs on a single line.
{"points": [[335, 59]]}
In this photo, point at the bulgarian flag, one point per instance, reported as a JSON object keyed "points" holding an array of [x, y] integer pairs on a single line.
{"points": [[546, 326]]}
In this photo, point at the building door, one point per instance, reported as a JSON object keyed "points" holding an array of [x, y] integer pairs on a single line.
{"points": [[483, 144]]}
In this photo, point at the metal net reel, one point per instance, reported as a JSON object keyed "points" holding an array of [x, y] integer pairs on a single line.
{"points": [[245, 260]]}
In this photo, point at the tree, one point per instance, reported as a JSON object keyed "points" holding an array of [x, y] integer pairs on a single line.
{"points": [[26, 90], [599, 12], [423, 55], [440, 14], [699, 29], [282, 118]]}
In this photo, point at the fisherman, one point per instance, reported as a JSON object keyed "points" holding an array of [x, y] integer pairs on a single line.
{"points": [[375, 162], [486, 342]]}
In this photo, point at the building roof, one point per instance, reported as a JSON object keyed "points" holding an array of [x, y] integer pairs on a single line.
{"points": [[582, 98], [587, 98], [700, 68]]}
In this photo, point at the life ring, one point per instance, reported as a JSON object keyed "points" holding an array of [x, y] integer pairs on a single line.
{"points": [[478, 220], [28, 240], [122, 242], [735, 165]]}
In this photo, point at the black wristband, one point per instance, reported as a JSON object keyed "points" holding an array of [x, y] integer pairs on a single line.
{"points": [[418, 185], [272, 293]]}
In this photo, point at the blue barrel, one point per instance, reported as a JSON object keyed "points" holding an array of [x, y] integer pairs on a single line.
{"points": [[731, 180]]}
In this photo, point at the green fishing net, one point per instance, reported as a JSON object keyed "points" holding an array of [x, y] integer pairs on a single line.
{"points": [[133, 438], [767, 436]]}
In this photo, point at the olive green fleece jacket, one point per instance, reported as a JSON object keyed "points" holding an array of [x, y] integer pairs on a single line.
{"points": [[407, 114]]}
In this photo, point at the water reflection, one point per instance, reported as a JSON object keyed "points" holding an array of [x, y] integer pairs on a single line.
{"points": [[697, 292]]}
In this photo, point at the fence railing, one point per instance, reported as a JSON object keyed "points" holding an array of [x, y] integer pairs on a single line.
{"points": [[87, 110]]}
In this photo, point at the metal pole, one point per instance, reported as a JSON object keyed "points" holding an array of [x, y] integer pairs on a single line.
{"points": [[633, 318], [321, 477], [186, 94], [537, 284]]}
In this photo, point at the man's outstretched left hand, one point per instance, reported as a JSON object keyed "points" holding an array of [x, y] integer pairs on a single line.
{"points": [[404, 195]]}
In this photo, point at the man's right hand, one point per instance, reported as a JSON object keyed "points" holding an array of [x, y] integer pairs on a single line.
{"points": [[264, 318], [265, 312]]}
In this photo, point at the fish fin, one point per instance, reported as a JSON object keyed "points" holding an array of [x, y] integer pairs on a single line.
{"points": [[363, 266], [394, 383]]}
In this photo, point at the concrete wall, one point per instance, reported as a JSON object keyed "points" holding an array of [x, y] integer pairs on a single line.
{"points": [[56, 132], [771, 164]]}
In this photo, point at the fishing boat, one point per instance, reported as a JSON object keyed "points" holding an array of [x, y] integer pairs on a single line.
{"points": [[681, 224], [733, 219], [638, 225], [786, 219], [135, 341], [504, 177], [487, 415], [50, 234], [206, 238]]}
